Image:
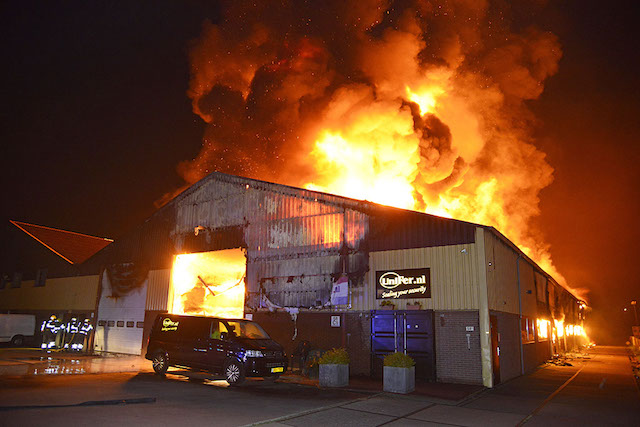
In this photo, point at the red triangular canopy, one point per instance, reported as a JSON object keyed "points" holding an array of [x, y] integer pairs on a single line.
{"points": [[75, 248]]}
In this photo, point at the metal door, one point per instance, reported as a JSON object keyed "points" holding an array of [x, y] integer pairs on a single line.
{"points": [[409, 332]]}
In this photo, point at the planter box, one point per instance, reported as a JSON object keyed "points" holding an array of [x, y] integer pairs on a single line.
{"points": [[387, 307], [334, 375], [414, 306], [399, 380]]}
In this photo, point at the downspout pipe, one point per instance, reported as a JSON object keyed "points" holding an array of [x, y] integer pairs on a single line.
{"points": [[520, 315]]}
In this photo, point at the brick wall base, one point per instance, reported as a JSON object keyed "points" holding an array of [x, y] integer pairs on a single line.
{"points": [[457, 360], [354, 334]]}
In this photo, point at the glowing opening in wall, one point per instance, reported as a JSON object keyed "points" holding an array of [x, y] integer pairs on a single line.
{"points": [[209, 284], [543, 329], [559, 326]]}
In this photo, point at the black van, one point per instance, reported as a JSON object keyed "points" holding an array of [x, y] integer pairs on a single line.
{"points": [[234, 348]]}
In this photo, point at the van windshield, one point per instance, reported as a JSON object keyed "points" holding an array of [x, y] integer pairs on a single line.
{"points": [[246, 329]]}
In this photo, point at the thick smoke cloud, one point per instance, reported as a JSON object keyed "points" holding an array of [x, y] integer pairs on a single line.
{"points": [[428, 95]]}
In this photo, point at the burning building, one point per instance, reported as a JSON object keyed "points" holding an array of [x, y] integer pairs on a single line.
{"points": [[459, 297]]}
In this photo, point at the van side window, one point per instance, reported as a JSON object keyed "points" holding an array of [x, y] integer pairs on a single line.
{"points": [[194, 328], [217, 328]]}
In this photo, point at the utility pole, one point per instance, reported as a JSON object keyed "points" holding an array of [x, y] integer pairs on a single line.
{"points": [[635, 311]]}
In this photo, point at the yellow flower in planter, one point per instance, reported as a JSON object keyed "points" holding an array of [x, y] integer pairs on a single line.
{"points": [[334, 368], [399, 373], [399, 360], [335, 356]]}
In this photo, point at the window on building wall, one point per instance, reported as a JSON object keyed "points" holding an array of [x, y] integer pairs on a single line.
{"points": [[528, 330], [17, 280], [41, 277], [542, 327]]}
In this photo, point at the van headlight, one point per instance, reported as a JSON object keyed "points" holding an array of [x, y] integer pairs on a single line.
{"points": [[254, 353]]}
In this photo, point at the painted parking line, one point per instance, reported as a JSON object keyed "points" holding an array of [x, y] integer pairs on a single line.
{"points": [[550, 397]]}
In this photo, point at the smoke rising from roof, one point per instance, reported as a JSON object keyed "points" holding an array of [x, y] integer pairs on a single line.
{"points": [[429, 97]]}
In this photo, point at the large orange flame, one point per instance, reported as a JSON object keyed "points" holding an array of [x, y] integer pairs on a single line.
{"points": [[209, 284], [417, 105], [372, 151]]}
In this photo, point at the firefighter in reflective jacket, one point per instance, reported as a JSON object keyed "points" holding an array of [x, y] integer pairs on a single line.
{"points": [[50, 329], [83, 335], [72, 329]]}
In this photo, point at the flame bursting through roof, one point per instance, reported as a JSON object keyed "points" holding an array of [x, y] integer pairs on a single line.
{"points": [[420, 106]]}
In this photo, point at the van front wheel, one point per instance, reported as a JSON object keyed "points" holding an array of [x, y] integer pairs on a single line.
{"points": [[233, 373], [160, 362]]}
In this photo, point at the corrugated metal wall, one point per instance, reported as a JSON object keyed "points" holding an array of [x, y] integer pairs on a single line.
{"points": [[454, 277], [297, 282], [541, 295], [298, 242], [502, 275], [158, 290], [293, 240], [563, 305], [276, 224], [77, 293]]}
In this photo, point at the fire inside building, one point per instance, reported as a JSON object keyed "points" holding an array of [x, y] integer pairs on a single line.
{"points": [[324, 271]]}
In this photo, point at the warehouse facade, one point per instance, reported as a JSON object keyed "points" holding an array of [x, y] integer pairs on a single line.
{"points": [[324, 271]]}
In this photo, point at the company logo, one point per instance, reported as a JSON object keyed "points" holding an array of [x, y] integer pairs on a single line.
{"points": [[169, 325], [392, 280]]}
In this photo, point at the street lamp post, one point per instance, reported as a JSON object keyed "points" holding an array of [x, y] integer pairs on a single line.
{"points": [[635, 311]]}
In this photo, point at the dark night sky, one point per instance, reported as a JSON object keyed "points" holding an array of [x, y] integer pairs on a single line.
{"points": [[95, 119]]}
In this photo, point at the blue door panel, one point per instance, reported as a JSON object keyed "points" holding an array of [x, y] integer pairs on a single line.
{"points": [[410, 332]]}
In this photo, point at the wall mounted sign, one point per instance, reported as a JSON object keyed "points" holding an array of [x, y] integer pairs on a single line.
{"points": [[340, 291], [335, 321], [403, 284]]}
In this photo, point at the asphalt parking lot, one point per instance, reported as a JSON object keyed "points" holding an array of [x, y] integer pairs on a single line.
{"points": [[598, 389]]}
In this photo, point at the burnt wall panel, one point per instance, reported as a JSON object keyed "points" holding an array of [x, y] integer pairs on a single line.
{"points": [[295, 282]]}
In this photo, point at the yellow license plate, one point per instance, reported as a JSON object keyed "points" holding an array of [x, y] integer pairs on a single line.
{"points": [[278, 369]]}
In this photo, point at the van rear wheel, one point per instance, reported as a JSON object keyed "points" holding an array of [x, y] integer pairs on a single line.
{"points": [[160, 362], [233, 373], [17, 341]]}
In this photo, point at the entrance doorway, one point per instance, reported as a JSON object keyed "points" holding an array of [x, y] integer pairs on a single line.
{"points": [[409, 332], [209, 283], [495, 349]]}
